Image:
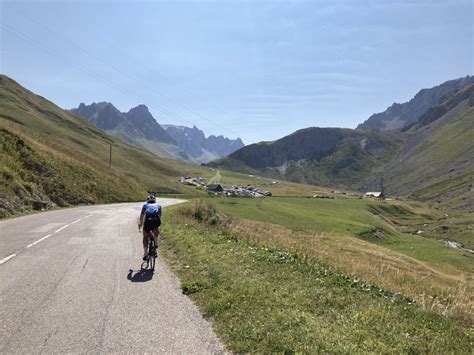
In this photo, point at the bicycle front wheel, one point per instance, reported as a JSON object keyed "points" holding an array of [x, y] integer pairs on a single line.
{"points": [[152, 263]]}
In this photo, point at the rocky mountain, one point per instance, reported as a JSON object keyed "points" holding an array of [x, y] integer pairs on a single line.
{"points": [[320, 156], [137, 127], [397, 116], [222, 145], [195, 144], [140, 118]]}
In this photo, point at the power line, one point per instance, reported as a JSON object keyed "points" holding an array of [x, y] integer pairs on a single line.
{"points": [[133, 77], [88, 72], [163, 76]]}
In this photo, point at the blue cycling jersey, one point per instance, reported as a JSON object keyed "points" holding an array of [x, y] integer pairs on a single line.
{"points": [[151, 208]]}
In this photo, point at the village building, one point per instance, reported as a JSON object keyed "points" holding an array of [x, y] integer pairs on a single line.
{"points": [[372, 194], [215, 188]]}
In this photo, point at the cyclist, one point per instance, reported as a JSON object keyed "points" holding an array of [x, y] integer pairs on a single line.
{"points": [[150, 219]]}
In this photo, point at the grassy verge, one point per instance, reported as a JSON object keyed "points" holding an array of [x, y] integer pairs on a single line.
{"points": [[263, 299]]}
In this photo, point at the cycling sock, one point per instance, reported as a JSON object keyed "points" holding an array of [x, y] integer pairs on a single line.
{"points": [[145, 250]]}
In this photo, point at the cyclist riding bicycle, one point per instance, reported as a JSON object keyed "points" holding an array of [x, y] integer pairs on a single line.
{"points": [[150, 219]]}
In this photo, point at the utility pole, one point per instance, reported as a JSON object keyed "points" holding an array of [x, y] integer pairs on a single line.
{"points": [[382, 189], [110, 156]]}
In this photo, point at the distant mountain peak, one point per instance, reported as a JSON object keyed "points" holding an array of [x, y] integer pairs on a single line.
{"points": [[140, 108], [140, 112], [195, 144], [137, 123], [139, 127]]}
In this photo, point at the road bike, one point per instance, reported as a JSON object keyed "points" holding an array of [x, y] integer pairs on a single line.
{"points": [[152, 253]]}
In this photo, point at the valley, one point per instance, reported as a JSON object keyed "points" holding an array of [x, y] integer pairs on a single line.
{"points": [[394, 257], [431, 160], [237, 177]]}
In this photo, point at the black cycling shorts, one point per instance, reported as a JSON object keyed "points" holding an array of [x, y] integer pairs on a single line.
{"points": [[151, 224]]}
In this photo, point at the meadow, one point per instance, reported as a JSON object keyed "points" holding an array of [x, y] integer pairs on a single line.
{"points": [[360, 238], [379, 222], [265, 290]]}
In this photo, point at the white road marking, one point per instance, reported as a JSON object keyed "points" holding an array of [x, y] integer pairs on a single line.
{"points": [[90, 215], [60, 229], [46, 228], [7, 258], [77, 220], [39, 240]]}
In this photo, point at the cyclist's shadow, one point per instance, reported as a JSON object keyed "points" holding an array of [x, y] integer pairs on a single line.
{"points": [[142, 275]]}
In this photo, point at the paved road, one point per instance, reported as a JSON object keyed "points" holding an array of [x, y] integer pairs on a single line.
{"points": [[68, 288]]}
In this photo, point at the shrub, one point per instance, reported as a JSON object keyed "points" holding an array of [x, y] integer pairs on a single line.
{"points": [[206, 213]]}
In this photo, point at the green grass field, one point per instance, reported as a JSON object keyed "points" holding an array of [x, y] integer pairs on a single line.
{"points": [[263, 300], [351, 217], [338, 216]]}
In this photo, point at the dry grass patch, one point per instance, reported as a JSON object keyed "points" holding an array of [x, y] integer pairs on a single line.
{"points": [[441, 289]]}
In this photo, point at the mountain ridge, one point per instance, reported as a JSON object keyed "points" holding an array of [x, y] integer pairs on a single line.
{"points": [[399, 115], [431, 160], [315, 155], [138, 127], [437, 162]]}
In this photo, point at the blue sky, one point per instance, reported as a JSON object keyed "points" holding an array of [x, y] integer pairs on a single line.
{"points": [[254, 69]]}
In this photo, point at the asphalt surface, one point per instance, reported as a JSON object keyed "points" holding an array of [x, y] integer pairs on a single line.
{"points": [[70, 281]]}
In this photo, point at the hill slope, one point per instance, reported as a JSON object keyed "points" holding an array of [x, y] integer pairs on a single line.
{"points": [[433, 160], [136, 127], [49, 156], [437, 161], [398, 116], [322, 156]]}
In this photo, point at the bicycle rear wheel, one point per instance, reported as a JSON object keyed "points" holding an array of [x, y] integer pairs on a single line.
{"points": [[152, 255]]}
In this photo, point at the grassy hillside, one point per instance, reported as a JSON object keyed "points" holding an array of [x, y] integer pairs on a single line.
{"points": [[389, 224], [269, 288], [437, 162], [49, 156], [433, 160], [374, 241], [398, 116], [319, 156]]}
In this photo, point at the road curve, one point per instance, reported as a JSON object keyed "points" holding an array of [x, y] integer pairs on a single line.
{"points": [[70, 282]]}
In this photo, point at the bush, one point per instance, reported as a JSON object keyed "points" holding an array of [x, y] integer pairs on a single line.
{"points": [[205, 212]]}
